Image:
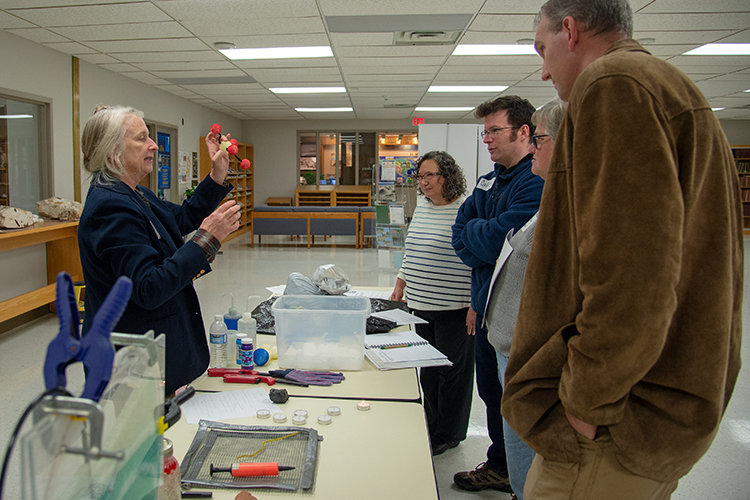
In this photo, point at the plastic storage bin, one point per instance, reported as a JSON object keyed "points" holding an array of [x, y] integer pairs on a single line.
{"points": [[321, 332]]}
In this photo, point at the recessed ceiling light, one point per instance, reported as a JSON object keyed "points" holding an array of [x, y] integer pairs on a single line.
{"points": [[717, 109], [323, 110], [278, 52], [307, 90], [434, 108], [14, 117], [467, 88], [721, 49], [494, 50]]}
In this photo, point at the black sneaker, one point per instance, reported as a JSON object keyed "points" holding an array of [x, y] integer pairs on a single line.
{"points": [[439, 449], [482, 478]]}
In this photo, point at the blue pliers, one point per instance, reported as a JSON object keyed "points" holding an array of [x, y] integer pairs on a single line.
{"points": [[94, 350]]}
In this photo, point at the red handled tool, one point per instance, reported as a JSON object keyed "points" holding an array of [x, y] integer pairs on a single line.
{"points": [[248, 379], [252, 469]]}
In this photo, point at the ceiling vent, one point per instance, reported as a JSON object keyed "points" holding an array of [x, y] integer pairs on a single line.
{"points": [[425, 37], [390, 106]]}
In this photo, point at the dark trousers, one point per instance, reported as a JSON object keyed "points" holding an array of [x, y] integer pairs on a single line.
{"points": [[491, 391], [447, 389]]}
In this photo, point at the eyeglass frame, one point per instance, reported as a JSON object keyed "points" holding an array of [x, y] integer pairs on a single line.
{"points": [[428, 176], [535, 138], [494, 131]]}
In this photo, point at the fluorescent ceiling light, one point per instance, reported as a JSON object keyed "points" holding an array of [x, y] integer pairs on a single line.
{"points": [[721, 49], [278, 52], [717, 109], [748, 90], [14, 117], [494, 50], [467, 88], [323, 110], [307, 90], [454, 108]]}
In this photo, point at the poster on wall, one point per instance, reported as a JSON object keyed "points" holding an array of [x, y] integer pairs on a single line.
{"points": [[397, 169], [184, 171]]}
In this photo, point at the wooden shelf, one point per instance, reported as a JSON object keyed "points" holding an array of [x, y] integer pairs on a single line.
{"points": [[241, 180], [62, 255], [334, 196]]}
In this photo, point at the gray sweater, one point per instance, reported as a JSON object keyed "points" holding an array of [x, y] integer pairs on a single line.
{"points": [[505, 298]]}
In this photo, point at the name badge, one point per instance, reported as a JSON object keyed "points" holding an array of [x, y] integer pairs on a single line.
{"points": [[486, 184]]}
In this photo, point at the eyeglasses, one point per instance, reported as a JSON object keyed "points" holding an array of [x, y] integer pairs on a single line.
{"points": [[425, 177], [535, 139], [494, 131]]}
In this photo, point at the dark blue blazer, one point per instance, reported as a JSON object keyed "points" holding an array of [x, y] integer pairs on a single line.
{"points": [[120, 235]]}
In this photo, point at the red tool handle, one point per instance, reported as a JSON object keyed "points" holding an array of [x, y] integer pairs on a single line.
{"points": [[248, 379], [220, 372], [255, 469]]}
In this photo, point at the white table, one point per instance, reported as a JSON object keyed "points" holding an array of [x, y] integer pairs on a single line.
{"points": [[368, 383], [361, 451]]}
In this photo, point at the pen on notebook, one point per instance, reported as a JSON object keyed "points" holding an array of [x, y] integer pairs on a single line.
{"points": [[394, 346]]}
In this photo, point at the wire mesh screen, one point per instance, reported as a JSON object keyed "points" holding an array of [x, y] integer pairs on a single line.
{"points": [[222, 445]]}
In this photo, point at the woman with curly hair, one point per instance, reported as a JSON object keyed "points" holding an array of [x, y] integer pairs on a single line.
{"points": [[438, 290]]}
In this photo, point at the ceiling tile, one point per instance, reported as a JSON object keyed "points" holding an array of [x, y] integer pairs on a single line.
{"points": [[82, 15], [170, 56], [38, 35], [153, 45], [71, 48], [686, 22], [183, 66], [9, 21], [361, 39], [131, 31], [503, 22], [695, 6], [279, 40], [230, 26], [196, 9], [397, 7]]}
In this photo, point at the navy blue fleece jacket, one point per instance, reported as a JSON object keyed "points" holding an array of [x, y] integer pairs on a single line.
{"points": [[502, 200]]}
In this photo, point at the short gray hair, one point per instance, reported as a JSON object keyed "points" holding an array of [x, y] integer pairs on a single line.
{"points": [[550, 116], [599, 16], [102, 142]]}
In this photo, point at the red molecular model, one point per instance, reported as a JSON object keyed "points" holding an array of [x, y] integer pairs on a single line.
{"points": [[231, 146]]}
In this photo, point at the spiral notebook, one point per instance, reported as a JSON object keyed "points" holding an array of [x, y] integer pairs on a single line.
{"points": [[390, 351]]}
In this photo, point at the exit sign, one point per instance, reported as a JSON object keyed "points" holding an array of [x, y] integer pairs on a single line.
{"points": [[418, 121]]}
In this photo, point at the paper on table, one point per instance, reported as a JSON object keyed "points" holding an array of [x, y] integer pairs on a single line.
{"points": [[226, 405], [373, 294], [398, 316]]}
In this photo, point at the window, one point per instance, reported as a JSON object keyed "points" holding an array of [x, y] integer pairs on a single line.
{"points": [[346, 158], [25, 176]]}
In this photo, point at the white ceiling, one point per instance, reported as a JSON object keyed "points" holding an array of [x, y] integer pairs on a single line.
{"points": [[168, 44]]}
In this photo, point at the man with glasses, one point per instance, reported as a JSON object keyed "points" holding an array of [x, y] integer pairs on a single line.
{"points": [[502, 200], [627, 345]]}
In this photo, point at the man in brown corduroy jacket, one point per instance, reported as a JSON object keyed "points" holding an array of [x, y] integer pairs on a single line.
{"points": [[627, 345]]}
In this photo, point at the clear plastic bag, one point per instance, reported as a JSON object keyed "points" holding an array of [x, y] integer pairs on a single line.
{"points": [[332, 279]]}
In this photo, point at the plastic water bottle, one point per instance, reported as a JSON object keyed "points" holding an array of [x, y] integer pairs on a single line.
{"points": [[248, 326], [218, 340]]}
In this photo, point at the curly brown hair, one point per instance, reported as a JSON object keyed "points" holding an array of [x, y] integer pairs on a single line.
{"points": [[455, 182]]}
